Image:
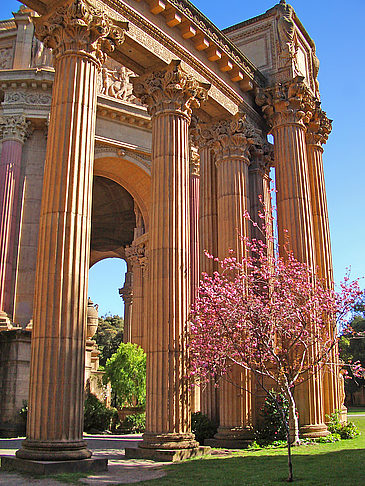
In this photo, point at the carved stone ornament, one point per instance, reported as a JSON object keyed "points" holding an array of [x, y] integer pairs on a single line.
{"points": [[14, 127], [170, 89], [137, 254], [80, 27], [194, 161], [6, 58], [319, 127], [287, 40], [230, 138], [284, 103], [27, 98], [116, 84], [262, 159]]}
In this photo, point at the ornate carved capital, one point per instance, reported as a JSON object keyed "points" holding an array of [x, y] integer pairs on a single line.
{"points": [[137, 254], [319, 127], [170, 89], [79, 27], [229, 138], [262, 158], [286, 103], [14, 127]]}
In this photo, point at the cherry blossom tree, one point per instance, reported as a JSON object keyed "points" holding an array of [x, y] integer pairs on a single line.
{"points": [[271, 315]]}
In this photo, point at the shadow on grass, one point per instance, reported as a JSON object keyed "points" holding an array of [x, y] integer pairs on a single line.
{"points": [[343, 468]]}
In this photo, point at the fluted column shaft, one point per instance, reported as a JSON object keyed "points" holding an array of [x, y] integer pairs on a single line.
{"points": [[194, 247], [169, 94], [55, 417], [11, 155], [235, 406], [322, 244], [208, 240], [294, 216]]}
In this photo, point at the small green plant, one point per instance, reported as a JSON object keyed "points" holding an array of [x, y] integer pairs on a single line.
{"points": [[135, 424], [23, 412], [345, 430], [202, 427], [272, 428], [96, 415]]}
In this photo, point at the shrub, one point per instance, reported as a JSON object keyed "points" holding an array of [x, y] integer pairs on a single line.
{"points": [[134, 424], [96, 415], [202, 427], [346, 431], [272, 427]]}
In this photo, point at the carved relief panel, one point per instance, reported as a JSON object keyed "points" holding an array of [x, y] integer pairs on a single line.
{"points": [[114, 81]]}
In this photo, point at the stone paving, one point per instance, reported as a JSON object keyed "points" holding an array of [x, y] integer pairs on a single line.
{"points": [[120, 470]]}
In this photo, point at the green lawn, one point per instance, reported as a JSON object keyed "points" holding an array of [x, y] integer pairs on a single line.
{"points": [[340, 463]]}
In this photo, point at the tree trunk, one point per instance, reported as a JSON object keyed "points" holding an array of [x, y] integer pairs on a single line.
{"points": [[293, 420]]}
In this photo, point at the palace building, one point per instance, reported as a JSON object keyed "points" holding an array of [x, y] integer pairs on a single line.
{"points": [[136, 129]]}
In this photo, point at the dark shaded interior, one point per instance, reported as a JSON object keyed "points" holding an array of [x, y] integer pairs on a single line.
{"points": [[113, 219]]}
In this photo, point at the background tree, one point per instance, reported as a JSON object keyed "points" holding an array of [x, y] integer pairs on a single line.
{"points": [[271, 316], [126, 371], [108, 336]]}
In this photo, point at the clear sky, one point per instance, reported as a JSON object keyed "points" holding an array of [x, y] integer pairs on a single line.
{"points": [[337, 27]]}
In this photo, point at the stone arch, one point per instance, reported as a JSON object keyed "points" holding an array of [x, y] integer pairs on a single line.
{"points": [[131, 177]]}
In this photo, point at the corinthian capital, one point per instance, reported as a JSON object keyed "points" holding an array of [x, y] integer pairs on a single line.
{"points": [[286, 103], [136, 253], [14, 127], [319, 127], [229, 138], [79, 27], [170, 89]]}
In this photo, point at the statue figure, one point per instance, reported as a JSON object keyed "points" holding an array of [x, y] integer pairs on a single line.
{"points": [[41, 55], [286, 33]]}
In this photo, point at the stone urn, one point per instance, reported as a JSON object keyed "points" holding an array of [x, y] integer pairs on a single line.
{"points": [[92, 319]]}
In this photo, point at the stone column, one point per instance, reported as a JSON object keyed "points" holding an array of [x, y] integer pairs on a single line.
{"points": [[231, 142], [14, 129], [170, 95], [126, 292], [318, 130], [208, 236], [76, 33], [287, 106], [136, 255], [194, 245]]}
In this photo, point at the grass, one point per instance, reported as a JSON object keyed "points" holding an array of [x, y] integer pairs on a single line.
{"points": [[335, 464]]}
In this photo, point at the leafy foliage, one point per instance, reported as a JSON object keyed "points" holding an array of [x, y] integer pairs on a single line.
{"points": [[135, 423], [272, 427], [346, 431], [108, 336], [126, 371], [96, 414], [202, 427]]}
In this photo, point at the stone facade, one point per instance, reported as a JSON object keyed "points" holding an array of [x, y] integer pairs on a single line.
{"points": [[140, 132]]}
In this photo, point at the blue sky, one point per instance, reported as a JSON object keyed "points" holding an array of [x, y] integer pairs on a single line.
{"points": [[338, 31]]}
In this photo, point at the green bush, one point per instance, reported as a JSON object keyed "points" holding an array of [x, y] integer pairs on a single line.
{"points": [[346, 431], [96, 415], [135, 424], [202, 427], [272, 427]]}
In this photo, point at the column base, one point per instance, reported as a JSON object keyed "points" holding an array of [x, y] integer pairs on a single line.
{"points": [[232, 438], [168, 441], [313, 431], [53, 451], [9, 463], [5, 322], [166, 455]]}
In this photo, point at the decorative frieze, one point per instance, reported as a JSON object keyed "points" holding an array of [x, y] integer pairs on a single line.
{"points": [[27, 98], [80, 27]]}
